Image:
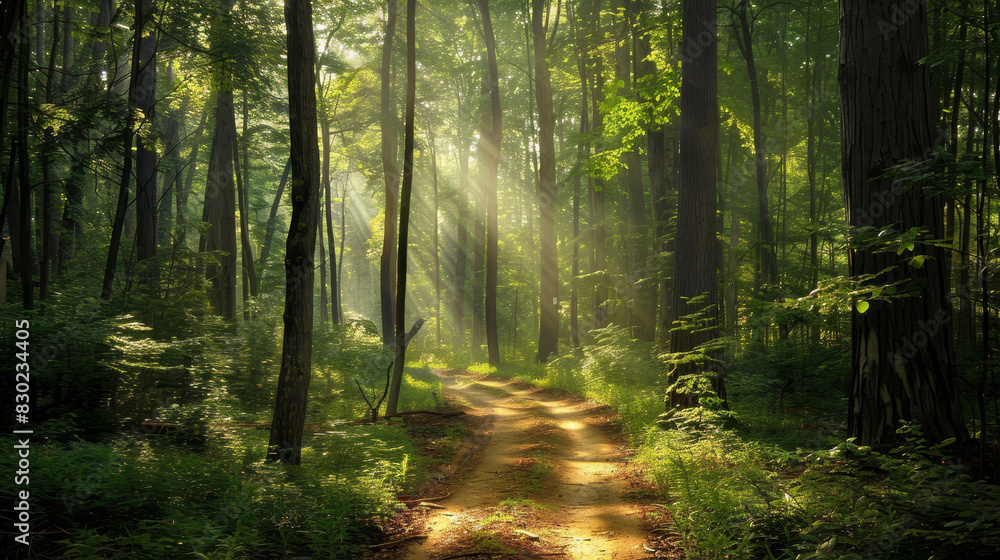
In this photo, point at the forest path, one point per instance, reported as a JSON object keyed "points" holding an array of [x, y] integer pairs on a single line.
{"points": [[547, 480]]}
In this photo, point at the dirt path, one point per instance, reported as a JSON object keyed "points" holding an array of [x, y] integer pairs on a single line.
{"points": [[546, 481]]}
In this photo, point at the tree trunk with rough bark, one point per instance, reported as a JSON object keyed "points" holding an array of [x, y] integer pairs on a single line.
{"points": [[695, 273], [902, 360], [285, 443]]}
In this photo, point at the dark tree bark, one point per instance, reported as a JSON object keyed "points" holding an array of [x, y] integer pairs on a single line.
{"points": [[493, 163], [26, 269], [143, 97], [548, 193], [220, 192], [404, 210], [285, 443], [390, 172], [121, 208], [695, 272], [902, 362]]}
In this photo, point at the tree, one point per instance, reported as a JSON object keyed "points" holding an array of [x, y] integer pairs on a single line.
{"points": [[390, 172], [493, 161], [767, 256], [695, 273], [401, 338], [902, 361], [285, 443], [143, 97], [548, 193], [219, 211]]}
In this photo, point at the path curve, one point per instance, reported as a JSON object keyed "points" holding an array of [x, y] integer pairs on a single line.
{"points": [[581, 512]]}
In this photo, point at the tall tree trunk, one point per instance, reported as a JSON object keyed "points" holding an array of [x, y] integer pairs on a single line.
{"points": [[902, 365], [767, 256], [220, 196], [404, 207], [461, 235], [26, 269], [390, 172], [285, 443], [121, 208], [335, 314], [251, 287], [695, 273], [548, 193], [662, 168], [813, 82], [324, 311], [437, 258], [493, 159], [596, 194], [220, 207], [46, 262], [143, 97], [583, 155], [479, 230]]}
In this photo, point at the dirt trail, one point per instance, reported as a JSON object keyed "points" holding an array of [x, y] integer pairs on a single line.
{"points": [[546, 481]]}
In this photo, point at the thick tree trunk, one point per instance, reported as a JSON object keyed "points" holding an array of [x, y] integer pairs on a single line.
{"points": [[902, 362], [548, 193], [220, 207], [695, 273], [285, 443], [220, 192]]}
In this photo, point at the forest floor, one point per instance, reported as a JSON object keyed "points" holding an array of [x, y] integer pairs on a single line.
{"points": [[540, 473]]}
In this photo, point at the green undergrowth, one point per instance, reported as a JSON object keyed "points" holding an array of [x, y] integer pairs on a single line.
{"points": [[774, 478], [103, 487]]}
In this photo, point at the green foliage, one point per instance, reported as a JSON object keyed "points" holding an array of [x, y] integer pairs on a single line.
{"points": [[732, 496]]}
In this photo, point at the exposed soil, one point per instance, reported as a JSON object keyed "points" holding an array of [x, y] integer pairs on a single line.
{"points": [[539, 475]]}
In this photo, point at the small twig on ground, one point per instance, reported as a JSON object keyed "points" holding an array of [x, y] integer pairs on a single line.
{"points": [[434, 412], [431, 499], [391, 543]]}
